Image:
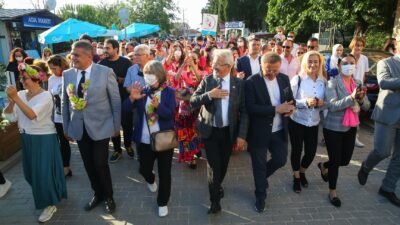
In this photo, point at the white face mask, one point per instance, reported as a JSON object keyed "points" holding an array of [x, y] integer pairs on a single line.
{"points": [[19, 58], [150, 79], [178, 54], [151, 45], [164, 49], [348, 69], [99, 51]]}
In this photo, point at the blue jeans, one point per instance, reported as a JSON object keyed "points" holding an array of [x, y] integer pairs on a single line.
{"points": [[386, 138]]}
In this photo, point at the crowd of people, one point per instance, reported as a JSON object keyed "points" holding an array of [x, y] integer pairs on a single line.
{"points": [[221, 95]]}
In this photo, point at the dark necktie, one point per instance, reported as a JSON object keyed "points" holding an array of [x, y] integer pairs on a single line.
{"points": [[81, 82], [218, 112]]}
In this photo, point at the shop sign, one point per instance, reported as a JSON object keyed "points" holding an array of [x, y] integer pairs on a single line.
{"points": [[34, 21]]}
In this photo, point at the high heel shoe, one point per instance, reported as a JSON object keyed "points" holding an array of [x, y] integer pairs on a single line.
{"points": [[303, 180], [323, 176], [69, 174], [296, 185]]}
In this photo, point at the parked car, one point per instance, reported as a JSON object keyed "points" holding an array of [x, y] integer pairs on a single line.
{"points": [[371, 81]]}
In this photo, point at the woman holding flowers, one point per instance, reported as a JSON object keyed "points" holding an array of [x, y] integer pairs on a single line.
{"points": [[41, 158], [155, 105]]}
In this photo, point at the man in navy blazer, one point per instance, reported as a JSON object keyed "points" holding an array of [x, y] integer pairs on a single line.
{"points": [[249, 64], [269, 102]]}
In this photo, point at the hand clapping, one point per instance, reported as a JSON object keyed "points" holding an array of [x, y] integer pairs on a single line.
{"points": [[136, 92]]}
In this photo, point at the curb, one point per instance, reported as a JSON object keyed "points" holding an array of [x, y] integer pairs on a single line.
{"points": [[12, 161]]}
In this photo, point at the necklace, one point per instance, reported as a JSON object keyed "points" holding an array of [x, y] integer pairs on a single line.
{"points": [[31, 94]]}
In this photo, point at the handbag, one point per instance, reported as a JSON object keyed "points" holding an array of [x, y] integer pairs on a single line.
{"points": [[162, 140]]}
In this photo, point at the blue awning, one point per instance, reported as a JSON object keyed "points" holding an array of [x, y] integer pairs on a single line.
{"points": [[139, 30]]}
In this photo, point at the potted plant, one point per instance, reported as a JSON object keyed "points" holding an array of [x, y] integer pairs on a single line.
{"points": [[10, 141]]}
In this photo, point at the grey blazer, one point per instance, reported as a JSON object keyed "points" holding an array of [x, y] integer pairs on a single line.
{"points": [[102, 115], [387, 108], [238, 118], [338, 99]]}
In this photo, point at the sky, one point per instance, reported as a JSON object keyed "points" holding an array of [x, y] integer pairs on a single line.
{"points": [[192, 7]]}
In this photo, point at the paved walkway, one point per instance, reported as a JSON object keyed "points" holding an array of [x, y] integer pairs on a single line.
{"points": [[189, 199]]}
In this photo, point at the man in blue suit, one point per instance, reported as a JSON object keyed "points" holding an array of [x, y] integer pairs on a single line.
{"points": [[269, 102], [250, 64]]}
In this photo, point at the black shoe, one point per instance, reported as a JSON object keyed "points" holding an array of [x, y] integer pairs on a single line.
{"points": [[95, 201], [130, 152], [362, 176], [260, 206], [323, 176], [221, 193], [115, 157], [110, 206], [391, 196], [303, 180], [214, 208], [335, 201], [69, 174], [296, 185]]}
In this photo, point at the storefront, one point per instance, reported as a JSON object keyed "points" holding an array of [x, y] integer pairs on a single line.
{"points": [[21, 27]]}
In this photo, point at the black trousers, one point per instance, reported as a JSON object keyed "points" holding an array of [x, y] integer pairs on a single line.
{"points": [[95, 159], [340, 146], [127, 124], [2, 179], [64, 145], [164, 164], [299, 135], [262, 169], [218, 150]]}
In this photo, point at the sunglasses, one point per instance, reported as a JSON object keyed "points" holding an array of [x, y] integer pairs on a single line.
{"points": [[287, 47], [272, 44], [310, 47], [300, 53], [24, 78]]}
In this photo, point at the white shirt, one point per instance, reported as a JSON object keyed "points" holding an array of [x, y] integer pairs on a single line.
{"points": [[361, 68], [275, 97], [226, 85], [154, 128], [42, 105], [308, 89], [54, 87], [79, 75], [290, 69], [255, 64], [295, 47]]}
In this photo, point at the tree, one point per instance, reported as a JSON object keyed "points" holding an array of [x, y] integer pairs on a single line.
{"points": [[1, 4]]}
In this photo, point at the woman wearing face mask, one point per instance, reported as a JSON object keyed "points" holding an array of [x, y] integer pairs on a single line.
{"points": [[243, 46], [188, 78], [344, 96], [17, 56], [155, 107], [41, 157], [308, 90], [331, 64], [46, 54], [57, 65], [174, 61]]}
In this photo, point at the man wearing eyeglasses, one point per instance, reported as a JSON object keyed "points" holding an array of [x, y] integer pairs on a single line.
{"points": [[222, 120], [290, 65], [291, 36]]}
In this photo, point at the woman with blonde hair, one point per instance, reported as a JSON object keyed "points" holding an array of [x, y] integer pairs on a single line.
{"points": [[308, 90]]}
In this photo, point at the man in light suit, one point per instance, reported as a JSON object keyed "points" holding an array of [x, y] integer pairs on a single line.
{"points": [[222, 120], [250, 64], [93, 125], [269, 102], [387, 128]]}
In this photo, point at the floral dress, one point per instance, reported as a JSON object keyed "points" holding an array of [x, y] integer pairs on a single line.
{"points": [[189, 142]]}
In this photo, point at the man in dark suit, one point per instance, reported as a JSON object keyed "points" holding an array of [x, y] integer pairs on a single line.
{"points": [[222, 120], [250, 64], [269, 102]]}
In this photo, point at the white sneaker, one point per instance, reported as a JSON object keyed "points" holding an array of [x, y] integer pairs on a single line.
{"points": [[152, 187], [4, 188], [47, 213], [162, 211], [359, 144]]}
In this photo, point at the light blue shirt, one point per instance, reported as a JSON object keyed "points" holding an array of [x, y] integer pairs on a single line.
{"points": [[132, 76]]}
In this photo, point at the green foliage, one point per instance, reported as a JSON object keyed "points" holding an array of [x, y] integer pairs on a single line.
{"points": [[252, 12], [159, 12], [376, 40]]}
